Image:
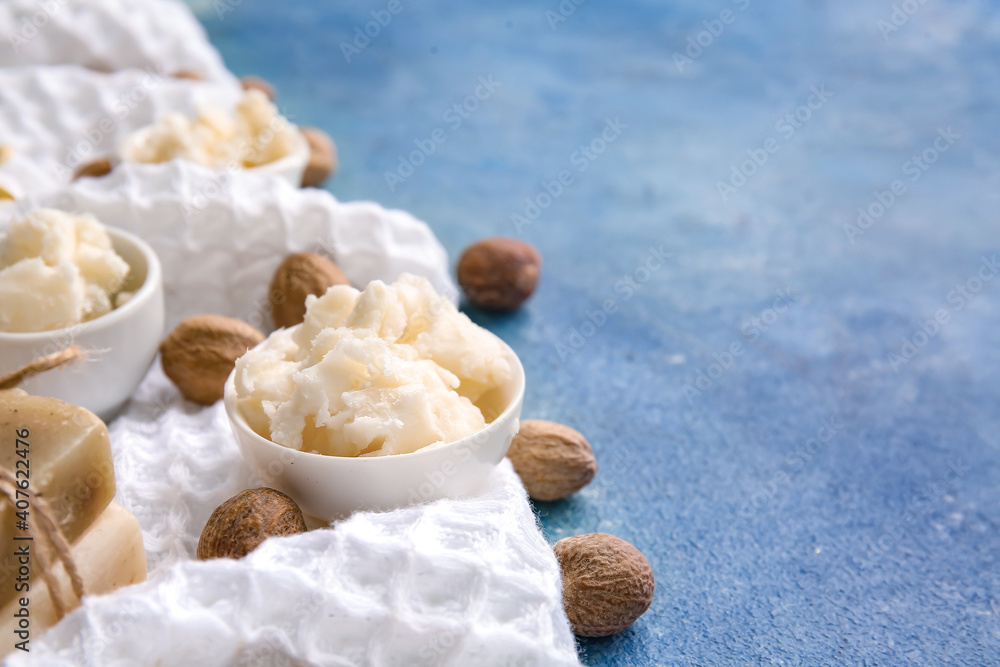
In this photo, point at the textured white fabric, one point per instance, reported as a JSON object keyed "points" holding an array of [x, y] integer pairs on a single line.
{"points": [[58, 118], [220, 236], [457, 582], [108, 35]]}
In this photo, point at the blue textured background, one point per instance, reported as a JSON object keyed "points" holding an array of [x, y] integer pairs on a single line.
{"points": [[875, 544]]}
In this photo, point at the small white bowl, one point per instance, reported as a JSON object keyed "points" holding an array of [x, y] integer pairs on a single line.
{"points": [[121, 344], [331, 487], [289, 168]]}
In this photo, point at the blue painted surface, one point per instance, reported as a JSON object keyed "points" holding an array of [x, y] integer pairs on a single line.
{"points": [[810, 504]]}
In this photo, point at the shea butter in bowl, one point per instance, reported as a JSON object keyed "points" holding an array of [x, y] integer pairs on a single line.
{"points": [[65, 280], [253, 136], [379, 399]]}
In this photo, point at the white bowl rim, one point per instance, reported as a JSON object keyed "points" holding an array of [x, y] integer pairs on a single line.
{"points": [[237, 419], [149, 286]]}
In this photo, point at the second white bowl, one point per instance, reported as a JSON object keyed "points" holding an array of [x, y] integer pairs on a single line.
{"points": [[121, 344], [331, 487], [289, 168]]}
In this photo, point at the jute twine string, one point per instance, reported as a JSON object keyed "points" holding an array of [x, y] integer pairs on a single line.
{"points": [[41, 365], [44, 528]]}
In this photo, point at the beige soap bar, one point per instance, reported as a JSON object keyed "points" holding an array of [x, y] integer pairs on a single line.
{"points": [[65, 452], [108, 556]]}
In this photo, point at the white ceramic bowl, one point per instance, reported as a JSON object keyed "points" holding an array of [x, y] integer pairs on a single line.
{"points": [[289, 168], [331, 487], [121, 344]]}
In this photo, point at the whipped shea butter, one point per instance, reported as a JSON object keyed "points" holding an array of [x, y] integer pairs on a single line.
{"points": [[57, 270], [254, 135], [388, 370]]}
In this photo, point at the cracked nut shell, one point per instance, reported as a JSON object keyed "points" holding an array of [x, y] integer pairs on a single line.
{"points": [[607, 583], [299, 276], [201, 352], [499, 273], [240, 524], [552, 460]]}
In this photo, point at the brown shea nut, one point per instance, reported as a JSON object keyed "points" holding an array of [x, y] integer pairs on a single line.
{"points": [[322, 157], [499, 273], [100, 167], [553, 461], [257, 83], [201, 352], [299, 276], [240, 524], [607, 583]]}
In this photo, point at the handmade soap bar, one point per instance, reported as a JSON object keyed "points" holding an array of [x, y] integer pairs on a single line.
{"points": [[108, 556], [64, 451]]}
